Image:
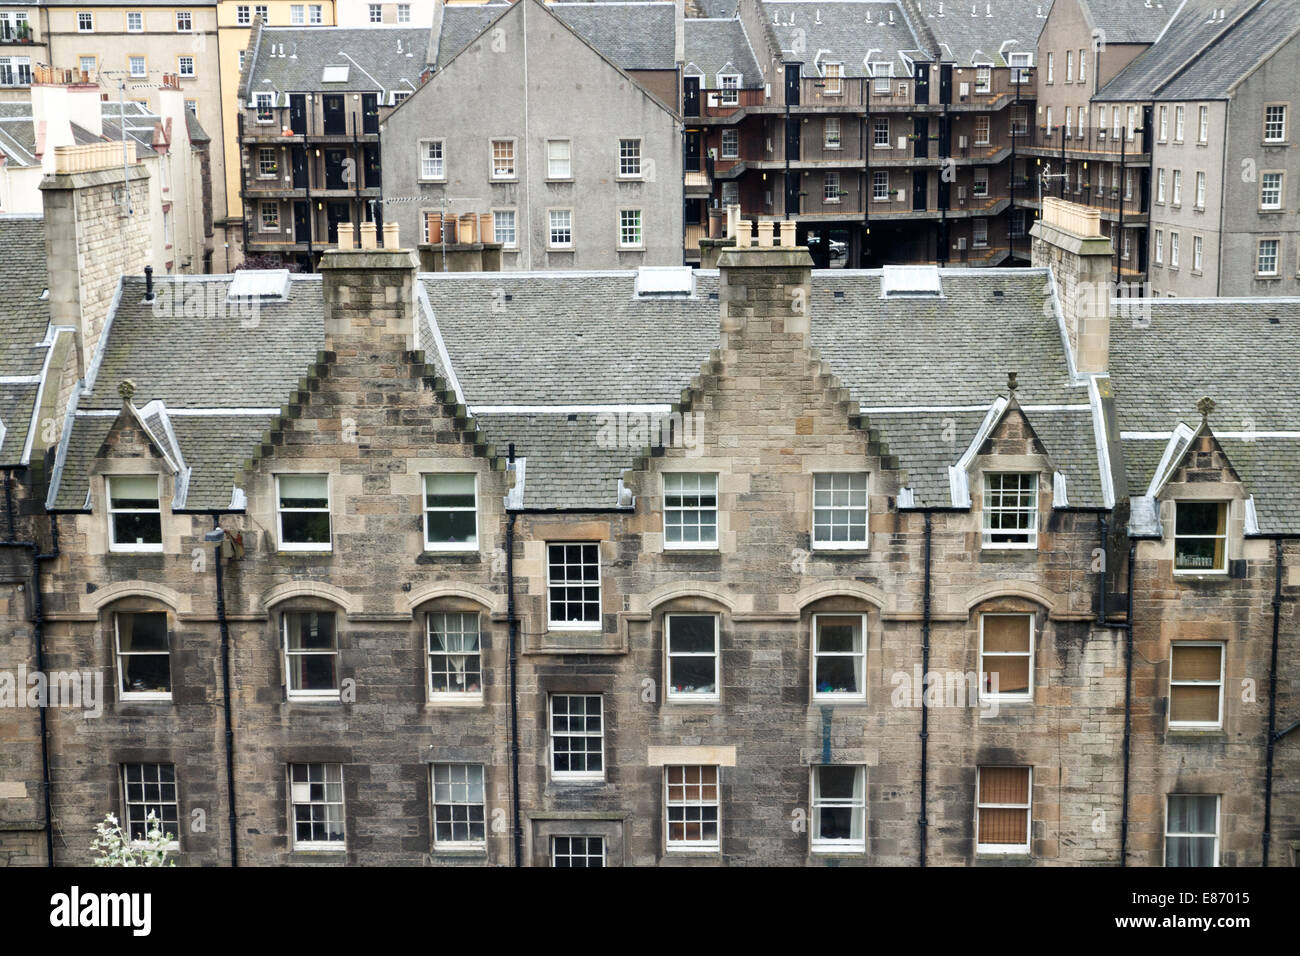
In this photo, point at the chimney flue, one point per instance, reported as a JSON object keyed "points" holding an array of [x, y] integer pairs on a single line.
{"points": [[148, 283]]}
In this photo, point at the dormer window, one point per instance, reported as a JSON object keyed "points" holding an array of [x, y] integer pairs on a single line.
{"points": [[1201, 537], [1010, 510], [303, 506], [134, 516]]}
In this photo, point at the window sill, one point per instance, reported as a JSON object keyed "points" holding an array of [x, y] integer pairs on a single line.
{"points": [[996, 852], [851, 548], [639, 178], [1196, 733], [503, 180], [823, 852], [467, 701], [700, 851], [144, 549], [451, 548], [559, 179], [986, 546], [477, 851], [1202, 574], [559, 248], [631, 248], [330, 698], [321, 850], [433, 182], [687, 699], [290, 549], [1271, 210], [833, 700], [552, 629], [578, 781], [131, 699]]}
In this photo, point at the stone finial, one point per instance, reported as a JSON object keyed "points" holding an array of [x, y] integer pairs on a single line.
{"points": [[1205, 406], [1012, 384], [126, 389]]}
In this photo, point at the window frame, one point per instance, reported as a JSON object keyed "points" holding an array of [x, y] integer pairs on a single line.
{"points": [[631, 147], [554, 625], [117, 547], [1005, 849], [133, 696], [1277, 257], [180, 67], [831, 185], [342, 804], [820, 844], [838, 78], [297, 14], [575, 776], [260, 97], [1218, 825], [839, 697], [286, 655], [493, 159], [85, 21], [1175, 249], [986, 511], [1024, 697], [425, 509], [625, 228], [1281, 138], [1203, 125], [551, 229], [1227, 516], [728, 89], [281, 544], [469, 844], [983, 130], [830, 123], [130, 65], [685, 845], [876, 182], [173, 845], [730, 144], [315, 14], [1180, 122], [692, 697], [457, 696], [852, 544], [551, 175], [700, 492], [424, 145], [264, 224], [514, 227], [1200, 188], [1280, 205], [1158, 247], [585, 855], [188, 21], [139, 15], [1198, 254], [1221, 683]]}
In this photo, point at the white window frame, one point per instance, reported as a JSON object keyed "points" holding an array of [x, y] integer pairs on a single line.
{"points": [[989, 510], [983, 78], [630, 161], [837, 89], [1227, 517], [172, 845], [268, 167], [437, 696], [852, 544], [879, 176], [1218, 824], [493, 170], [1198, 253], [1280, 122], [552, 582], [830, 186], [315, 13], [1200, 190], [1163, 126], [983, 130], [1023, 696], [1177, 197], [144, 65], [1203, 125], [281, 544], [119, 654], [1160, 185], [731, 144], [631, 229], [184, 21], [552, 159], [1216, 724], [298, 14], [578, 776], [698, 492], [1175, 245], [263, 100], [685, 845], [468, 805], [295, 802], [585, 854], [729, 89], [979, 182], [831, 137], [669, 655], [181, 70], [1277, 257], [1051, 67], [403, 13], [859, 659], [497, 214], [452, 546], [1069, 66], [85, 21], [1005, 848], [139, 21], [551, 229], [264, 222], [440, 174], [287, 655], [243, 15], [375, 12], [1281, 189], [1180, 122], [880, 125], [857, 804], [1158, 247], [979, 231], [127, 547]]}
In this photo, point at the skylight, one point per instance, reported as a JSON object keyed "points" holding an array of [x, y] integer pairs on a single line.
{"points": [[910, 281], [665, 280], [334, 74], [262, 284]]}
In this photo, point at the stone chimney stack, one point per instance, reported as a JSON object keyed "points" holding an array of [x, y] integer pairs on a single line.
{"points": [[765, 291], [1068, 241], [97, 229], [369, 292]]}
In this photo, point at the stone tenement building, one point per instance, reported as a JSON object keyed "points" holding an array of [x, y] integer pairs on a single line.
{"points": [[661, 567]]}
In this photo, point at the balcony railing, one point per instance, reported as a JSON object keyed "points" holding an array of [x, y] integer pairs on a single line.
{"points": [[1090, 139]]}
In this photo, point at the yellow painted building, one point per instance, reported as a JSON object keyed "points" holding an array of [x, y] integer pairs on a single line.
{"points": [[234, 25]]}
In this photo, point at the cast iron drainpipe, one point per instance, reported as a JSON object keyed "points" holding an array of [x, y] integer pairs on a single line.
{"points": [[513, 625], [38, 638], [1273, 737], [218, 537], [922, 823], [1128, 704]]}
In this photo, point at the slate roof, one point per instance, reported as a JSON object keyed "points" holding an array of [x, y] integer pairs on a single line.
{"points": [[838, 30], [712, 45], [911, 357], [635, 36], [724, 9], [1239, 352], [984, 36], [381, 57], [24, 324], [1130, 21], [18, 134], [1200, 56], [140, 123]]}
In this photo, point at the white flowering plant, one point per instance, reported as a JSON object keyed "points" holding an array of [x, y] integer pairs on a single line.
{"points": [[118, 849]]}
